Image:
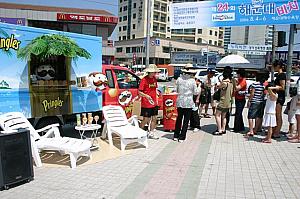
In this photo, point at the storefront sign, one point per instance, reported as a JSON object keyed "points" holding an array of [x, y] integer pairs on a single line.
{"points": [[222, 13], [16, 21], [250, 47], [86, 18]]}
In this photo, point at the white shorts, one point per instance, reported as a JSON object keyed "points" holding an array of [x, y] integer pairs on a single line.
{"points": [[291, 117]]}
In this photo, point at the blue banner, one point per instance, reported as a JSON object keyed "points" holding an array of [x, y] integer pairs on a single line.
{"points": [[223, 13]]}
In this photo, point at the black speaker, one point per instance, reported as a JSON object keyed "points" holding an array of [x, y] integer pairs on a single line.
{"points": [[15, 158]]}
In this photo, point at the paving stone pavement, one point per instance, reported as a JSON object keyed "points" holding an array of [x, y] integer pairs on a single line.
{"points": [[204, 166]]}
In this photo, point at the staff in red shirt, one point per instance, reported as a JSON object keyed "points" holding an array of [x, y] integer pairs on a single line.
{"points": [[240, 101], [149, 110]]}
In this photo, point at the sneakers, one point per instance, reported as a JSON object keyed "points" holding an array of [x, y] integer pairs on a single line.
{"points": [[152, 135], [181, 141], [196, 130]]}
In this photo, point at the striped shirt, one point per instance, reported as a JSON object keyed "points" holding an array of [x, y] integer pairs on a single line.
{"points": [[258, 92]]}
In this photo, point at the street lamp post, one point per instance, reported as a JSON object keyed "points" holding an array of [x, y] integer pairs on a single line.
{"points": [[206, 52], [148, 32]]}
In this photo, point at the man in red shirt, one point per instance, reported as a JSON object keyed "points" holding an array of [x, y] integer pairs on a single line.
{"points": [[240, 101], [147, 90]]}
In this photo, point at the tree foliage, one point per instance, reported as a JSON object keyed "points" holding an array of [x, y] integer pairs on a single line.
{"points": [[46, 46]]}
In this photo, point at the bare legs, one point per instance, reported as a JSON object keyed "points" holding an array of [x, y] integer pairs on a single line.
{"points": [[221, 121], [276, 130]]}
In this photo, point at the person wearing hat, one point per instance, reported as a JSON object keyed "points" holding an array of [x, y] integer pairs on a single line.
{"points": [[149, 105], [186, 88]]}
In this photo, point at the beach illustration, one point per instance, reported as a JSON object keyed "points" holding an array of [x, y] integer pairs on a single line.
{"points": [[39, 71]]}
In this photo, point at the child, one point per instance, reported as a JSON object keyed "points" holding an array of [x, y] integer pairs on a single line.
{"points": [[269, 119], [292, 108]]}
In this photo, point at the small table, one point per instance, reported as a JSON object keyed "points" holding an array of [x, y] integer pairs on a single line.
{"points": [[89, 127]]}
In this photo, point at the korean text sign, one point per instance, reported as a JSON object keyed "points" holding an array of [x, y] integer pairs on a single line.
{"points": [[221, 13]]}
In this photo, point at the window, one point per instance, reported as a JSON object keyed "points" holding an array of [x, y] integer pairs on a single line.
{"points": [[133, 49], [134, 16], [125, 8], [119, 49], [133, 26], [163, 9], [76, 28], [120, 19], [155, 28], [163, 19], [216, 33], [120, 38], [210, 32], [199, 31], [120, 29], [110, 79], [124, 28], [124, 37], [120, 1], [126, 80], [128, 50], [166, 49], [216, 43], [120, 9], [124, 18], [200, 40], [133, 36], [210, 42], [134, 5]]}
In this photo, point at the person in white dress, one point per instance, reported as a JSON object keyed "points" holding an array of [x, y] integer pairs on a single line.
{"points": [[296, 139], [269, 119]]}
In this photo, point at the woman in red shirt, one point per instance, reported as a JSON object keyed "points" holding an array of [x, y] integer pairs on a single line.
{"points": [[149, 110], [240, 101]]}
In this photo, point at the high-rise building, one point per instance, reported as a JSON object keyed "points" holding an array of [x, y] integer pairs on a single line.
{"points": [[133, 23], [251, 35]]}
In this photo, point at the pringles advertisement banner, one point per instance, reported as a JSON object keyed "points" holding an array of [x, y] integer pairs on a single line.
{"points": [[55, 84], [221, 13]]}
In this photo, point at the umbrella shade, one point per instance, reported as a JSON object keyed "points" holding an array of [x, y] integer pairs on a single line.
{"points": [[233, 59]]}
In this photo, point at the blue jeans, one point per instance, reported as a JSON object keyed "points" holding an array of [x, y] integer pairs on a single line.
{"points": [[238, 118]]}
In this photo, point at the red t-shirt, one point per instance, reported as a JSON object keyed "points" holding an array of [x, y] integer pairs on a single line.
{"points": [[148, 86], [242, 82]]}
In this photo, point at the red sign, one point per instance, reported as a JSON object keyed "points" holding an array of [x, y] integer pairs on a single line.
{"points": [[86, 18]]}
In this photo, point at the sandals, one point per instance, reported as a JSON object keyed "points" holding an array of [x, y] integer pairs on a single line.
{"points": [[217, 133], [296, 140], [266, 141], [249, 134]]}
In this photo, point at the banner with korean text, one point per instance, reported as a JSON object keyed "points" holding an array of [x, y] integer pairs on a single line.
{"points": [[222, 13]]}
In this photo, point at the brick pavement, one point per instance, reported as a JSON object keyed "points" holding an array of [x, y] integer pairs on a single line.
{"points": [[204, 166]]}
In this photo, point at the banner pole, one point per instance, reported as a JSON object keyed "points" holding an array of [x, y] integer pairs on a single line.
{"points": [[273, 53], [290, 58]]}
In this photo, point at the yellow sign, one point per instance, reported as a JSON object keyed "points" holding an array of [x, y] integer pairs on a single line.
{"points": [[9, 42], [49, 104]]}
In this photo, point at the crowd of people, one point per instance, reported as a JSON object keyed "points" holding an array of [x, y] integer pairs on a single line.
{"points": [[265, 101]]}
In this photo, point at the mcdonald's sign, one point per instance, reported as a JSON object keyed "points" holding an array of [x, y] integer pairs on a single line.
{"points": [[87, 18], [16, 21]]}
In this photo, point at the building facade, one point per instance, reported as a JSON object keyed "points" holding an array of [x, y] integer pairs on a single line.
{"points": [[132, 29], [132, 52], [248, 35], [83, 21]]}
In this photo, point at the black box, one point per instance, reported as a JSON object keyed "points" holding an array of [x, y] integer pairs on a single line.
{"points": [[15, 158]]}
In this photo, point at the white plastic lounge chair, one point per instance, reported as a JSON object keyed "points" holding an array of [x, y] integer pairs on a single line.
{"points": [[51, 140], [127, 129]]}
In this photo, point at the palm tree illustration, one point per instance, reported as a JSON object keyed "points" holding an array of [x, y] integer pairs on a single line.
{"points": [[46, 46], [5, 35]]}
